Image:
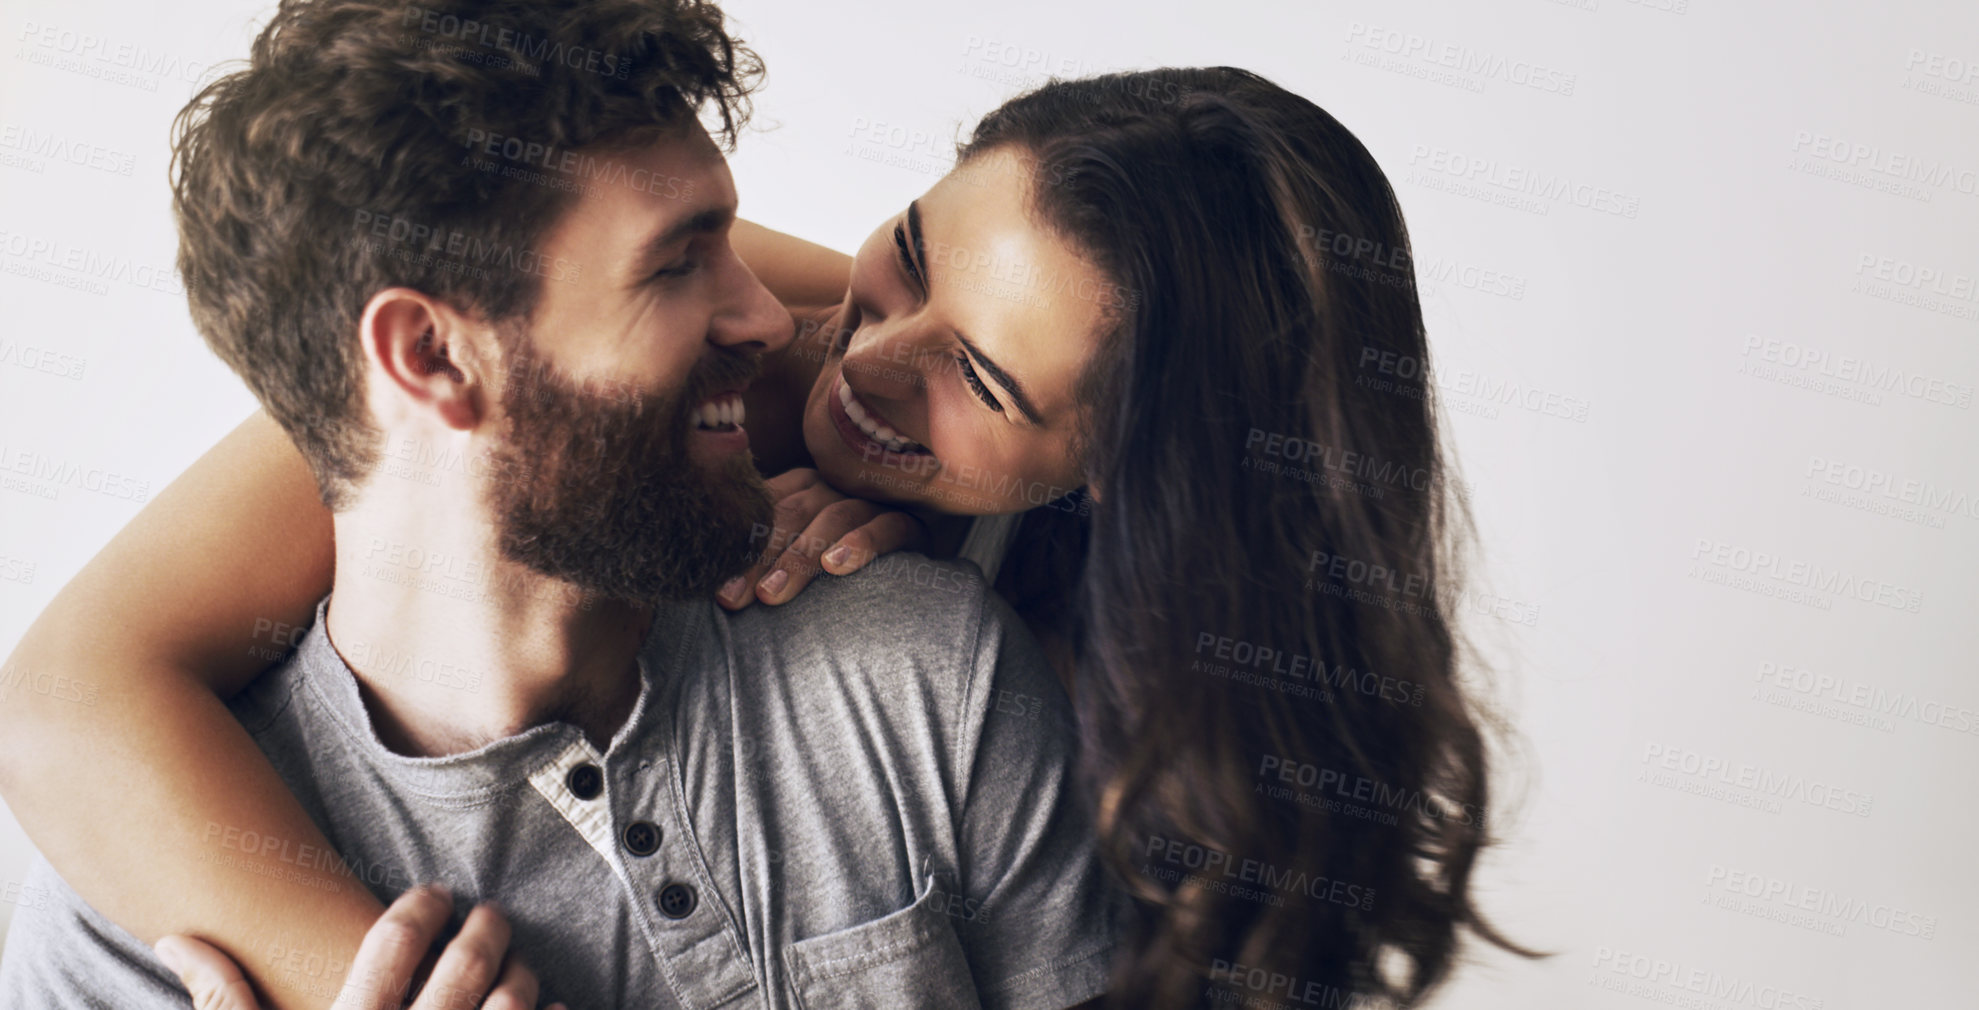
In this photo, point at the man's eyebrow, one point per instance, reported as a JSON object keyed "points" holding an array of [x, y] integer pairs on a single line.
{"points": [[705, 222], [1005, 379]]}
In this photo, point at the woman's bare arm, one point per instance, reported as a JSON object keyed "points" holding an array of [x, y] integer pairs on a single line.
{"points": [[131, 775], [800, 274]]}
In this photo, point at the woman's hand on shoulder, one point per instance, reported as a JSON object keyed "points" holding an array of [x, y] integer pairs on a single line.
{"points": [[817, 529]]}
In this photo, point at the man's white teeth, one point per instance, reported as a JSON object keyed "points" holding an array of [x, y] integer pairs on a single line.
{"points": [[885, 436], [719, 412]]}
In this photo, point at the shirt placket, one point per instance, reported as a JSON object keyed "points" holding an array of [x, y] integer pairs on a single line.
{"points": [[626, 813]]}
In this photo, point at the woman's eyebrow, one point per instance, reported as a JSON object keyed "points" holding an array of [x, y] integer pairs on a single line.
{"points": [[914, 236], [995, 371], [1005, 379]]}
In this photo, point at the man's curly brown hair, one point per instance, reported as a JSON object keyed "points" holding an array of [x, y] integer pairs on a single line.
{"points": [[355, 112]]}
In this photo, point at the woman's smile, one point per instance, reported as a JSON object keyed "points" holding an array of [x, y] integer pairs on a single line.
{"points": [[867, 432]]}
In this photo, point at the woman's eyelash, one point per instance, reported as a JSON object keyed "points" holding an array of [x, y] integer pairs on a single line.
{"points": [[907, 261], [976, 384]]}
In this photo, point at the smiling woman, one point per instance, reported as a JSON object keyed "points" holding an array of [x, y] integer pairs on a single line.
{"points": [[1111, 296]]}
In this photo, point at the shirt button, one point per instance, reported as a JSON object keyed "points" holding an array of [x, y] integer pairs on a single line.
{"points": [[676, 901], [642, 838], [585, 781]]}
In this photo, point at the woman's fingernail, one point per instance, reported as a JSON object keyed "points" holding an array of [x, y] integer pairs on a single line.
{"points": [[838, 556], [773, 582], [731, 589], [169, 953]]}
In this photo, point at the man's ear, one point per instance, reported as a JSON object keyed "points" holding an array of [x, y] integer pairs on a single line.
{"points": [[422, 349]]}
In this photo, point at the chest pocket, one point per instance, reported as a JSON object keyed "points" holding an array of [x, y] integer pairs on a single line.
{"points": [[907, 960]]}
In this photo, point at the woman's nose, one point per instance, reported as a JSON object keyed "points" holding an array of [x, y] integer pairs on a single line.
{"points": [[888, 359]]}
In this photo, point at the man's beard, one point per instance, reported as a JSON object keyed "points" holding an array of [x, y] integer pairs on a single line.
{"points": [[595, 486]]}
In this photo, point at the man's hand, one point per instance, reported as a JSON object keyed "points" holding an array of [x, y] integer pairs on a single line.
{"points": [[383, 971]]}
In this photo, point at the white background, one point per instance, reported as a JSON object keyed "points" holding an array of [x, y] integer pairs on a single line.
{"points": [[1715, 121]]}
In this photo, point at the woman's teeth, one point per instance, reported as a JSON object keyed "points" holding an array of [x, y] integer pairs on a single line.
{"points": [[892, 440], [720, 413]]}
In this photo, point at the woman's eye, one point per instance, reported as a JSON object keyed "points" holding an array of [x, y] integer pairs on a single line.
{"points": [[906, 260], [976, 383]]}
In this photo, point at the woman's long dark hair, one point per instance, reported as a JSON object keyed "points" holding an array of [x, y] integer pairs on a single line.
{"points": [[1285, 770]]}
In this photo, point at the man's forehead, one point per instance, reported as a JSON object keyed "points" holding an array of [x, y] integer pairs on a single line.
{"points": [[636, 193]]}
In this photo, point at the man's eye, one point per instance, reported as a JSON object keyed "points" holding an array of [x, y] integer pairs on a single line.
{"points": [[680, 269]]}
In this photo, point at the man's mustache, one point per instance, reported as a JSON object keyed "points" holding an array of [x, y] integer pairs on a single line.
{"points": [[724, 370]]}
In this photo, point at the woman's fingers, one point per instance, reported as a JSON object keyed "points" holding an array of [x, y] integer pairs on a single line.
{"points": [[381, 975], [883, 534], [468, 966], [799, 564], [795, 510], [212, 978]]}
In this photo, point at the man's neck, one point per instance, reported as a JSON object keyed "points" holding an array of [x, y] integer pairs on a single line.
{"points": [[454, 648]]}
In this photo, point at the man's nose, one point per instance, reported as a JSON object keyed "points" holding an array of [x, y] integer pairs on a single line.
{"points": [[751, 315]]}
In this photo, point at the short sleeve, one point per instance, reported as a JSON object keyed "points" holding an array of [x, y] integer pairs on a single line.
{"points": [[1036, 915]]}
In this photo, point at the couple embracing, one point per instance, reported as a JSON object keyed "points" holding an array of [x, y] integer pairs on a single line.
{"points": [[697, 617]]}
